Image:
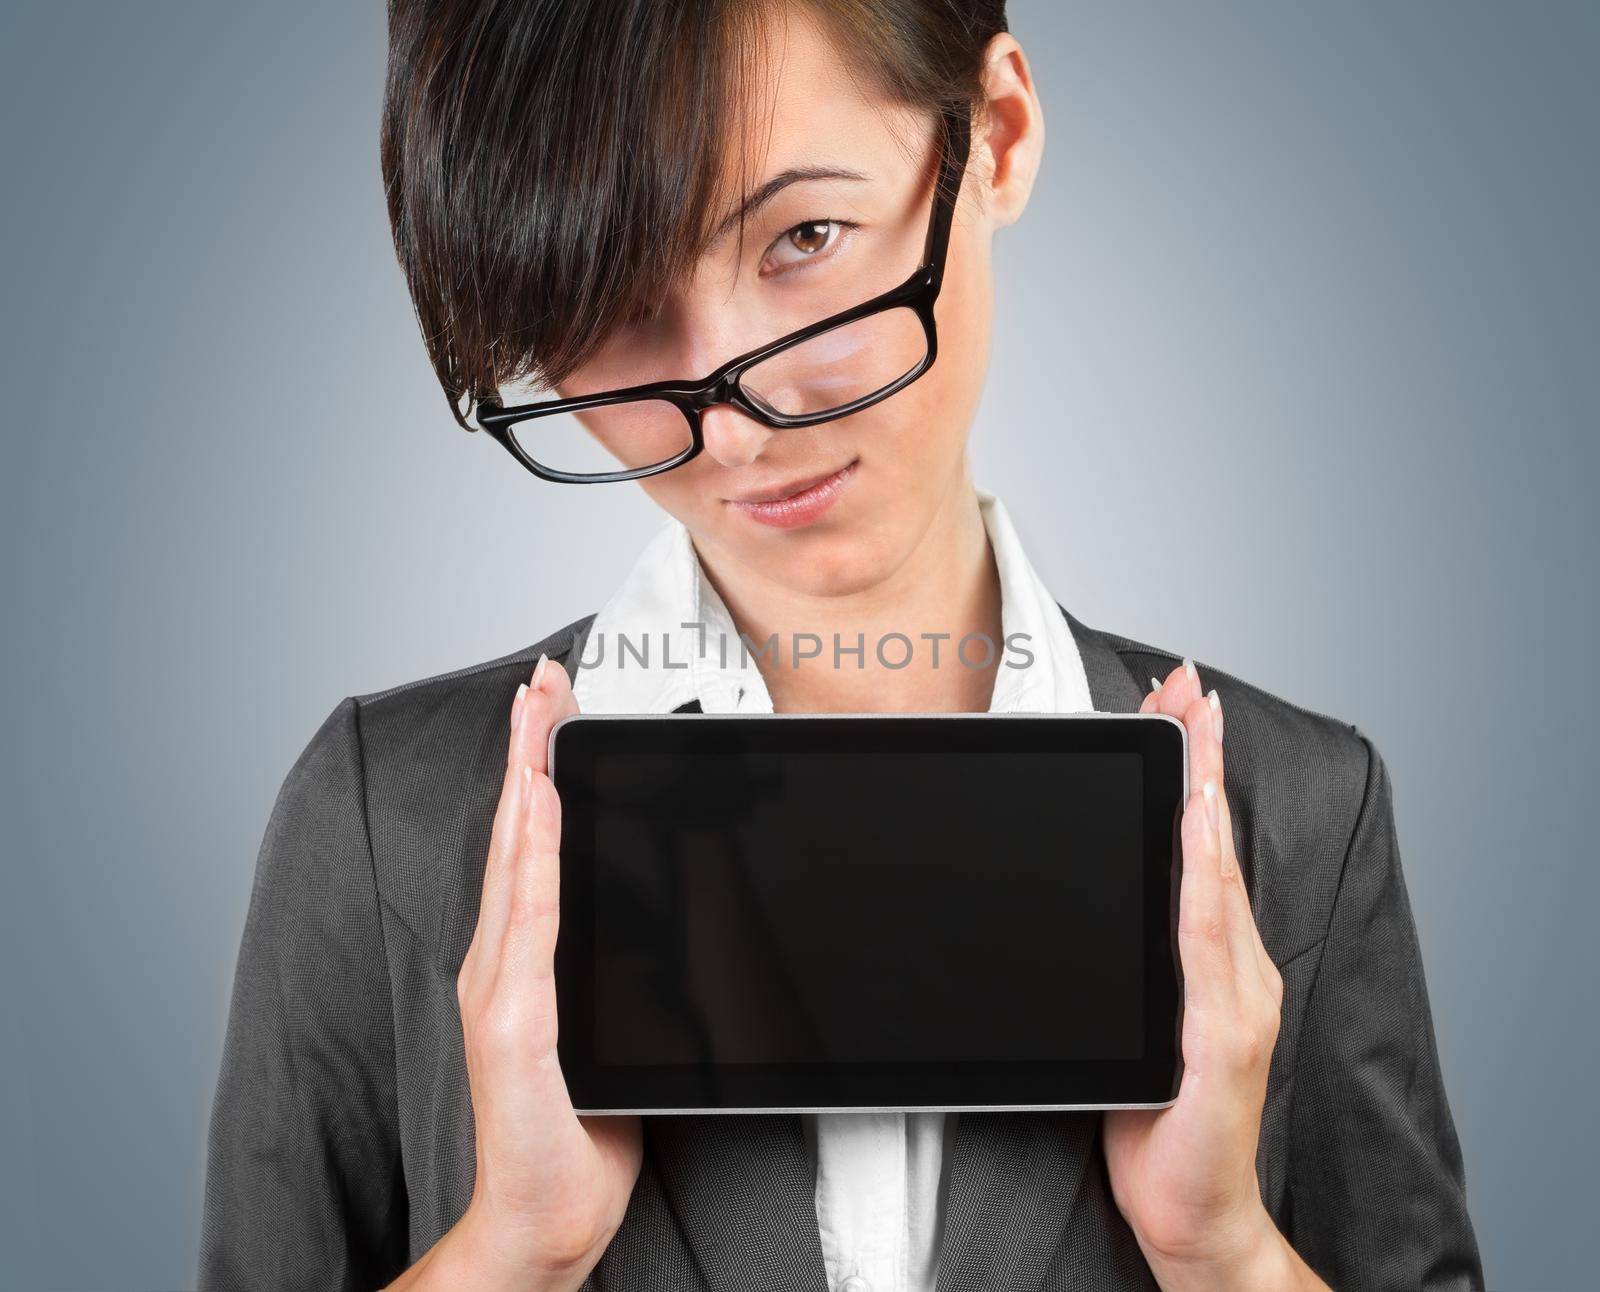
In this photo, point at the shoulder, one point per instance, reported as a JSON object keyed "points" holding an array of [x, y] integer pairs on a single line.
{"points": [[1298, 782], [442, 715], [485, 676], [442, 719], [430, 756], [1269, 724]]}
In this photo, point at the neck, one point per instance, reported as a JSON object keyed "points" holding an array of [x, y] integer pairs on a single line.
{"points": [[947, 588]]}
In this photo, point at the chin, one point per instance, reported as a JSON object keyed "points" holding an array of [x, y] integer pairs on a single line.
{"points": [[854, 547], [828, 561]]}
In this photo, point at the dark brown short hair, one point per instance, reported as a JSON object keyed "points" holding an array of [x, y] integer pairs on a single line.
{"points": [[551, 166]]}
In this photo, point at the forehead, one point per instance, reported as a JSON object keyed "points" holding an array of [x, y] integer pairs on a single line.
{"points": [[803, 103]]}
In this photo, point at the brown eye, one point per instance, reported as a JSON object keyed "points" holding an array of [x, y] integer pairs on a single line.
{"points": [[810, 237], [810, 240]]}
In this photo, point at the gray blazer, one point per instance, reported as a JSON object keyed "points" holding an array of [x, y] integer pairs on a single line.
{"points": [[341, 1138]]}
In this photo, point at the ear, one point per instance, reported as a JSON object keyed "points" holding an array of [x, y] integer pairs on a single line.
{"points": [[1011, 142]]}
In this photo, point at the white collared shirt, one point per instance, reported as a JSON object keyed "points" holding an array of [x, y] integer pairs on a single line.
{"points": [[665, 638]]}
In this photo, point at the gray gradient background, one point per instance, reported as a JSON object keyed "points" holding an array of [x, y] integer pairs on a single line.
{"points": [[1317, 403]]}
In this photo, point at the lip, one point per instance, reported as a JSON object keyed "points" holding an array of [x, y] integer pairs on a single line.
{"points": [[788, 506]]}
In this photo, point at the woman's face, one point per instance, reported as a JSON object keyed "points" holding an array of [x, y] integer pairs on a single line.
{"points": [[888, 473]]}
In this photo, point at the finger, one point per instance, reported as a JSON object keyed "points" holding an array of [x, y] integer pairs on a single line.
{"points": [[1205, 767], [527, 955], [522, 1001], [563, 701], [1205, 754], [1243, 941], [549, 701], [503, 835], [1179, 688], [526, 755], [1239, 895], [1206, 731], [1254, 1030], [1208, 976]]}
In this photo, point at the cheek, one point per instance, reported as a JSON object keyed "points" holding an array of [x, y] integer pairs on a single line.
{"points": [[924, 429], [964, 312], [682, 495]]}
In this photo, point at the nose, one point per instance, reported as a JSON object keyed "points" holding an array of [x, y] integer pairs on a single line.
{"points": [[706, 330], [732, 438]]}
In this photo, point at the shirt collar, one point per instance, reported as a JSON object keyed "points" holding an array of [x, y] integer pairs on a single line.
{"points": [[664, 637]]}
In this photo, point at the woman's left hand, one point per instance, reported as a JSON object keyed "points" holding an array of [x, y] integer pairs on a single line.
{"points": [[1184, 1177]]}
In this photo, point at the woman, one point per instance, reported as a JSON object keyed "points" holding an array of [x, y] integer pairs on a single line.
{"points": [[588, 198]]}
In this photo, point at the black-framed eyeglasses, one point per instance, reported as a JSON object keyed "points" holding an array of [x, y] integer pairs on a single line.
{"points": [[829, 369]]}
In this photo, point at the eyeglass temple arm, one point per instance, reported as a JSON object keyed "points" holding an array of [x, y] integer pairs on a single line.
{"points": [[952, 165]]}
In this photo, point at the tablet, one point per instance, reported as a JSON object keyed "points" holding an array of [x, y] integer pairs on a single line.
{"points": [[819, 912]]}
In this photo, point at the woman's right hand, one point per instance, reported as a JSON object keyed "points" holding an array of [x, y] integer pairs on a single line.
{"points": [[551, 1186]]}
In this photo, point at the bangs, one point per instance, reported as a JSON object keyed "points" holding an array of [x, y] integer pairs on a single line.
{"points": [[551, 169]]}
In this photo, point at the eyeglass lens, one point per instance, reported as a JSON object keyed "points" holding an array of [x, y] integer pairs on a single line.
{"points": [[848, 244]]}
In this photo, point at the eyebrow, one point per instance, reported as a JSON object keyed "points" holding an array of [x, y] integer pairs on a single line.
{"points": [[769, 190]]}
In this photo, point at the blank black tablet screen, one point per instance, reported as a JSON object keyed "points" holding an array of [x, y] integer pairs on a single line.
{"points": [[776, 913], [851, 907]]}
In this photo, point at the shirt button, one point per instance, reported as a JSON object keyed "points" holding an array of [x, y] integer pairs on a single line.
{"points": [[855, 1283]]}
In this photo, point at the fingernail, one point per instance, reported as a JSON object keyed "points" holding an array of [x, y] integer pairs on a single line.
{"points": [[1216, 714], [516, 705], [1188, 668], [1155, 684], [1209, 790], [538, 669]]}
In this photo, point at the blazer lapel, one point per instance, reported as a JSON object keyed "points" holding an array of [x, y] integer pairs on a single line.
{"points": [[1014, 1177], [1112, 688], [743, 1189]]}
